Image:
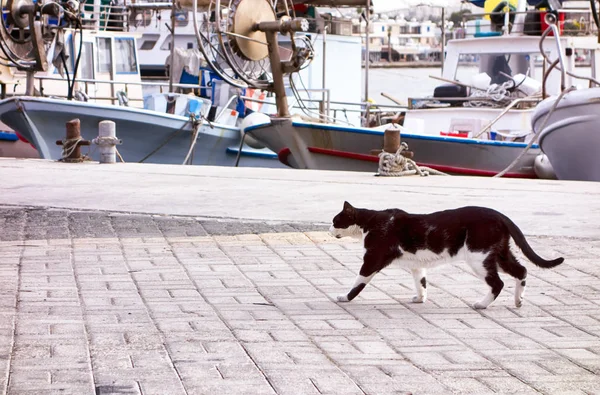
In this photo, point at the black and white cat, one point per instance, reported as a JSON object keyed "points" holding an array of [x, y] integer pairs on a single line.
{"points": [[477, 235]]}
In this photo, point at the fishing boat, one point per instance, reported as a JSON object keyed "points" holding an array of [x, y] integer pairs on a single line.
{"points": [[95, 76], [478, 125], [464, 128]]}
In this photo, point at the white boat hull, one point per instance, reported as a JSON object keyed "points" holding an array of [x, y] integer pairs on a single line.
{"points": [[571, 136], [42, 122], [331, 147]]}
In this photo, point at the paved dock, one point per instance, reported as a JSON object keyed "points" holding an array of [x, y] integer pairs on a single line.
{"points": [[150, 279]]}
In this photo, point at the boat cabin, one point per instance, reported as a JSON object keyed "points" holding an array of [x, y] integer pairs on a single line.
{"points": [[108, 69], [503, 56]]}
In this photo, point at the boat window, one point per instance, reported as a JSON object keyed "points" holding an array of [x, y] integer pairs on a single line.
{"points": [[126, 62], [104, 55], [86, 63], [166, 44], [500, 66], [148, 45]]}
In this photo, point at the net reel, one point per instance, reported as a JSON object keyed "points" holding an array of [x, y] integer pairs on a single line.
{"points": [[25, 31], [240, 42]]}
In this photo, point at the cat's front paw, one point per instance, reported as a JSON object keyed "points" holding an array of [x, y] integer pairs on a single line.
{"points": [[479, 306], [342, 298], [419, 299]]}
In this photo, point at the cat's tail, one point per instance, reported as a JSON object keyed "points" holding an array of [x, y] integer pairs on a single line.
{"points": [[520, 240]]}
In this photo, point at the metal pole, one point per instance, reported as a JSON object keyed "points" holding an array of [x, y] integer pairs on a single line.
{"points": [[325, 57], [322, 104], [368, 37], [442, 56], [29, 87], [96, 14], [271, 28], [172, 60], [278, 85]]}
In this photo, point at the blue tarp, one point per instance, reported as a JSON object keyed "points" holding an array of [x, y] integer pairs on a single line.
{"points": [[8, 136]]}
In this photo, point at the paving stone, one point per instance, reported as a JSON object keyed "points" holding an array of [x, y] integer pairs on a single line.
{"points": [[136, 304]]}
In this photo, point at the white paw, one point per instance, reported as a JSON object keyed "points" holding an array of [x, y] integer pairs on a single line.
{"points": [[479, 306], [342, 298], [519, 302], [419, 299]]}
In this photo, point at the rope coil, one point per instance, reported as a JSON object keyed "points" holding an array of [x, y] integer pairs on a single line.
{"points": [[397, 165], [498, 93]]}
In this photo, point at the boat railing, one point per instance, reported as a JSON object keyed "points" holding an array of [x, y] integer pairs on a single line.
{"points": [[105, 17], [570, 22], [339, 108], [323, 110], [87, 84], [324, 105], [421, 102]]}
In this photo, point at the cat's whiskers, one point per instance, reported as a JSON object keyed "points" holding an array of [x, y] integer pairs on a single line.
{"points": [[353, 231]]}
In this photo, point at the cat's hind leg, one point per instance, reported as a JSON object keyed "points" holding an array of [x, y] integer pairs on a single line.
{"points": [[420, 277], [493, 281], [511, 265]]}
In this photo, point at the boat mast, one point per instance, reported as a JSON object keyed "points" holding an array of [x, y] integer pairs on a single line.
{"points": [[443, 49], [367, 51], [325, 27], [172, 58], [96, 14]]}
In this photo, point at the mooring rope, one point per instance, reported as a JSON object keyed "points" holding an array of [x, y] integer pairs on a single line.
{"points": [[536, 135], [397, 165], [69, 146], [196, 129]]}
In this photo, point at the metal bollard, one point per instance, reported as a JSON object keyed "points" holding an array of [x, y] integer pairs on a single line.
{"points": [[391, 140], [107, 141], [72, 143]]}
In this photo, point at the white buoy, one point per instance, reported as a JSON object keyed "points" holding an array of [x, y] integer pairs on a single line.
{"points": [[256, 118], [543, 168]]}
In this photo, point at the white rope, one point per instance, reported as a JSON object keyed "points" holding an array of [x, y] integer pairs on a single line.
{"points": [[536, 135], [397, 165], [196, 126], [72, 146]]}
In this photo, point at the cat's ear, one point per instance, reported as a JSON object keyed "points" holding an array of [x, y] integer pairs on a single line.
{"points": [[348, 207]]}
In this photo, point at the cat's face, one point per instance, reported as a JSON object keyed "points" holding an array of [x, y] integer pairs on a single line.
{"points": [[344, 224]]}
